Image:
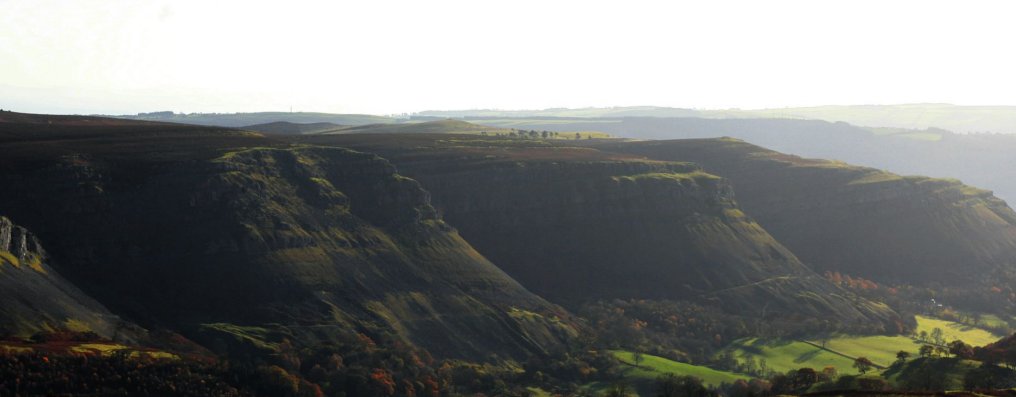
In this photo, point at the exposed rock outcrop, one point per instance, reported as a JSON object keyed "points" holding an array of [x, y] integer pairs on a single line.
{"points": [[37, 299]]}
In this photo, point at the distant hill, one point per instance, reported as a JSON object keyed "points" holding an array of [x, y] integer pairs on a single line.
{"points": [[622, 111], [287, 128], [982, 160], [428, 127], [245, 119], [963, 119]]}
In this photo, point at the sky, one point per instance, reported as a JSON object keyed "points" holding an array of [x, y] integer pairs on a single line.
{"points": [[385, 57]]}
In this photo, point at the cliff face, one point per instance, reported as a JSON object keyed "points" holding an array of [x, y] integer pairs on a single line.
{"points": [[183, 232], [858, 220], [574, 225], [579, 232], [37, 299]]}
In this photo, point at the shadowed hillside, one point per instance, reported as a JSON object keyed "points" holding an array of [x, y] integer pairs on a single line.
{"points": [[576, 224], [36, 298], [225, 226], [860, 220]]}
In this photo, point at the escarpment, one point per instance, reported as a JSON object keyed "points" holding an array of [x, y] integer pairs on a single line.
{"points": [[861, 221], [578, 232], [36, 298], [575, 225], [309, 240]]}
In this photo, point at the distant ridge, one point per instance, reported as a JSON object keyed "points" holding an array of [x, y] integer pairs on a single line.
{"points": [[429, 127], [962, 119], [245, 119], [287, 128]]}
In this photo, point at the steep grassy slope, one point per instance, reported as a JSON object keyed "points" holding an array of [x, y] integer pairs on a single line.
{"points": [[180, 226], [575, 224], [652, 367], [857, 220], [36, 298]]}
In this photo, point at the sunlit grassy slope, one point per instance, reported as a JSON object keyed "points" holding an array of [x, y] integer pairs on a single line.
{"points": [[953, 330], [839, 351], [652, 367]]}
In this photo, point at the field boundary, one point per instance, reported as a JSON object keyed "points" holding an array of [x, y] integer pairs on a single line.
{"points": [[876, 365]]}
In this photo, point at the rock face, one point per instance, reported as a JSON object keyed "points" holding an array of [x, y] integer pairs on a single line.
{"points": [[199, 230], [577, 226], [37, 299], [858, 220]]}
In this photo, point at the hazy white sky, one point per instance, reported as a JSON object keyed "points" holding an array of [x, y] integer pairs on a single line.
{"points": [[81, 56]]}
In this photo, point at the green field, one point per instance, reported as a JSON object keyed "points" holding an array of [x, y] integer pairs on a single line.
{"points": [[992, 320], [952, 331], [840, 350], [783, 356], [642, 380], [653, 367], [879, 349]]}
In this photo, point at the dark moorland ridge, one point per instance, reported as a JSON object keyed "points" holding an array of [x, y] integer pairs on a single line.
{"points": [[285, 248], [187, 227], [576, 224], [255, 118], [835, 217], [906, 139], [871, 223], [982, 160]]}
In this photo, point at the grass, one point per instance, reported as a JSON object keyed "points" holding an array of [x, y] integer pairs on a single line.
{"points": [[947, 373], [840, 350], [256, 336], [992, 320], [679, 177], [953, 330], [879, 349], [876, 177], [104, 349], [642, 380], [7, 257], [652, 367], [783, 356]]}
